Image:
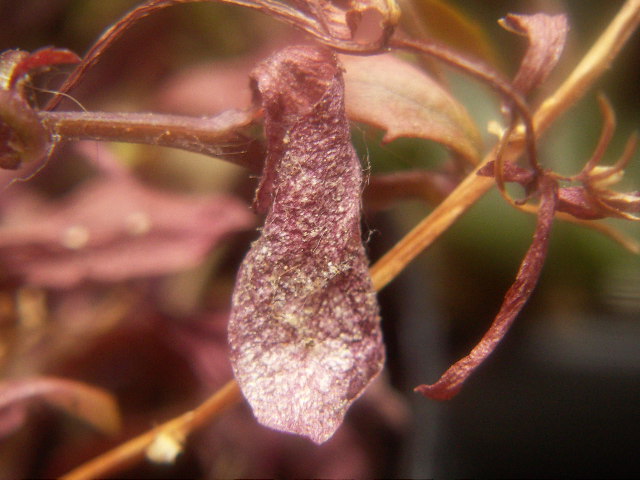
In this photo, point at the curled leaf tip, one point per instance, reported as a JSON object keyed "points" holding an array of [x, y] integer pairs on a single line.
{"points": [[547, 35], [304, 328]]}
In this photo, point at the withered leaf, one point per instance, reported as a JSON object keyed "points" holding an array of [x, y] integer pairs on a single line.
{"points": [[527, 277], [304, 327], [392, 94], [90, 404], [584, 204], [547, 35]]}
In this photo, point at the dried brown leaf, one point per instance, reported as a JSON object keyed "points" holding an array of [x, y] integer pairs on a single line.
{"points": [[342, 19], [452, 380], [304, 329]]}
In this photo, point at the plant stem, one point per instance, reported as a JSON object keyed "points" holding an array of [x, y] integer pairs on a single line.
{"points": [[216, 136], [431, 227], [131, 452], [592, 66]]}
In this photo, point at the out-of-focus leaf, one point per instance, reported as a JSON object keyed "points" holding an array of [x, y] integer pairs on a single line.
{"points": [[383, 190], [114, 229], [392, 94], [304, 328], [208, 89], [204, 343], [547, 35], [343, 18], [90, 404], [448, 24]]}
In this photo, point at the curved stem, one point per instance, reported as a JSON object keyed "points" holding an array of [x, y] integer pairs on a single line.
{"points": [[131, 452]]}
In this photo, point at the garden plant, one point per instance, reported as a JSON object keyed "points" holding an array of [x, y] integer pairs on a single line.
{"points": [[252, 294]]}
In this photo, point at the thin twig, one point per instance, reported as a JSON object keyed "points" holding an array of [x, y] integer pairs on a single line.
{"points": [[131, 452]]}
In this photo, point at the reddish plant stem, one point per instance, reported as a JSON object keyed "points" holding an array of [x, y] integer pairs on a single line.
{"points": [[216, 136]]}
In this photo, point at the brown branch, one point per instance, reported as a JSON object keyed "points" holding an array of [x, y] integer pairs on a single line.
{"points": [[132, 451]]}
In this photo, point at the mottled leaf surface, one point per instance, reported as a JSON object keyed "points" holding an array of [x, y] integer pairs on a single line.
{"points": [[392, 94], [304, 328]]}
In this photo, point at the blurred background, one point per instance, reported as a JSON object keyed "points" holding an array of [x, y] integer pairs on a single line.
{"points": [[558, 398]]}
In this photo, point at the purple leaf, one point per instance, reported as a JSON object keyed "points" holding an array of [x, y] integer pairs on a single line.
{"points": [[114, 229], [304, 329]]}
